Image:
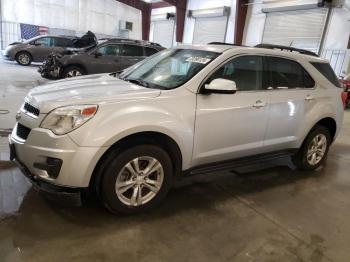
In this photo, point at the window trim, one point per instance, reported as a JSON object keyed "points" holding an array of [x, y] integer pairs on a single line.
{"points": [[202, 87]]}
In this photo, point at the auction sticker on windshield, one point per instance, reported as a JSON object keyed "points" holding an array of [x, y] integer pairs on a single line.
{"points": [[198, 59]]}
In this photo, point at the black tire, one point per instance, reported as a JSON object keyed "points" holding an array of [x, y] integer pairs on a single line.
{"points": [[73, 71], [24, 58], [300, 160], [112, 168]]}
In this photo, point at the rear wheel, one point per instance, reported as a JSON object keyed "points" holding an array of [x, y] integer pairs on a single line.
{"points": [[314, 150], [24, 58], [72, 71], [136, 179]]}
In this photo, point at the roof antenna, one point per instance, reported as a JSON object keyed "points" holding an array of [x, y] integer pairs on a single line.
{"points": [[291, 43]]}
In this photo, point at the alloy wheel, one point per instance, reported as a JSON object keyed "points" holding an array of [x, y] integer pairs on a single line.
{"points": [[316, 150], [139, 181], [24, 59]]}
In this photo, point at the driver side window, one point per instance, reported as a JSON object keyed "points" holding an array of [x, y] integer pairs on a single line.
{"points": [[246, 71], [113, 50]]}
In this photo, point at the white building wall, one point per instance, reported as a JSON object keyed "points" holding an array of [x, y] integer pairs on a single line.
{"points": [[206, 4], [99, 16]]}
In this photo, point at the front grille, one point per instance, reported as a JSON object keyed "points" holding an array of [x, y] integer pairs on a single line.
{"points": [[31, 109], [22, 131]]}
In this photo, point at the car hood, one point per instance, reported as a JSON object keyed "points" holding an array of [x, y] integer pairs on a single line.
{"points": [[92, 89]]}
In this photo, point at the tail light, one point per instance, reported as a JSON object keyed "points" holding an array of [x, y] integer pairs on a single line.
{"points": [[344, 96]]}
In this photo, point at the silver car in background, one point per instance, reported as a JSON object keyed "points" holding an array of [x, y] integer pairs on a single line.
{"points": [[38, 48]]}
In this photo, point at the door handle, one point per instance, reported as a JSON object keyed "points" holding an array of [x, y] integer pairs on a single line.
{"points": [[309, 98], [259, 104]]}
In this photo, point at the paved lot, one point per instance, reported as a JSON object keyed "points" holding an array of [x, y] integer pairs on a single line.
{"points": [[269, 212]]}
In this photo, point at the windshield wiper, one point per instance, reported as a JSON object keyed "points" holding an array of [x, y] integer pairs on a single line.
{"points": [[138, 81]]}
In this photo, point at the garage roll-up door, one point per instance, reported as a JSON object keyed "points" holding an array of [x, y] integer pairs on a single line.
{"points": [[163, 32], [209, 29], [301, 28]]}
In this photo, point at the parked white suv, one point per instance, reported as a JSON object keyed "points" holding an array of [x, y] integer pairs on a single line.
{"points": [[186, 110]]}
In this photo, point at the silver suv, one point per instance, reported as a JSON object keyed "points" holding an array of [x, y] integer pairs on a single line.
{"points": [[182, 111]]}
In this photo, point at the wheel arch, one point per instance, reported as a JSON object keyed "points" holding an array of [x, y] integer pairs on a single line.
{"points": [[146, 137], [330, 124]]}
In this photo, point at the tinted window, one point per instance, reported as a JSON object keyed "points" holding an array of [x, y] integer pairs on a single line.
{"points": [[113, 50], [132, 50], [326, 70], [45, 41], [150, 51], [286, 73], [63, 42], [246, 71]]}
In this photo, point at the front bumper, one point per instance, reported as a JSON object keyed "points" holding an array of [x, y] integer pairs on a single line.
{"points": [[63, 195], [56, 160]]}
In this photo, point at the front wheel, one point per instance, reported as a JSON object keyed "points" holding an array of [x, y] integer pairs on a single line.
{"points": [[136, 179], [24, 58], [314, 150]]}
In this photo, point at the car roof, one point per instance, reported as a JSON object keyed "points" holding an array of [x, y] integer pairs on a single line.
{"points": [[221, 48]]}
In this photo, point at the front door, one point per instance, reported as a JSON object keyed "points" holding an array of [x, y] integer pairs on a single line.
{"points": [[41, 48], [231, 126]]}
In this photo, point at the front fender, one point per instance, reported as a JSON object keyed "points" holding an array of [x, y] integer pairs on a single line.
{"points": [[116, 121]]}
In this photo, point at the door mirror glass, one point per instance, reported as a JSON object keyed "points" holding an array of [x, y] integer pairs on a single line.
{"points": [[221, 85]]}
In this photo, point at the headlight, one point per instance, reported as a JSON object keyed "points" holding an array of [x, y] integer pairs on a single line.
{"points": [[63, 120]]}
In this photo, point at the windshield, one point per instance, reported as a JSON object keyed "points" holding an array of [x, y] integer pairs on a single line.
{"points": [[169, 69]]}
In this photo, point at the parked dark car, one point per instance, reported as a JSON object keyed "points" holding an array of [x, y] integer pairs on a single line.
{"points": [[110, 55], [38, 48]]}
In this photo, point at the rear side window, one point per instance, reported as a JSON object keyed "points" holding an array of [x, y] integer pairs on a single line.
{"points": [[150, 51], [63, 42], [285, 73], [132, 50], [326, 70]]}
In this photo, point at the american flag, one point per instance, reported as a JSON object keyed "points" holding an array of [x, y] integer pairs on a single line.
{"points": [[30, 31]]}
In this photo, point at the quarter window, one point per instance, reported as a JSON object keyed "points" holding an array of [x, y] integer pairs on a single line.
{"points": [[246, 71], [326, 70], [285, 73]]}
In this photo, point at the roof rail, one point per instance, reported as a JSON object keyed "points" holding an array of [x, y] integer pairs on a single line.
{"points": [[222, 43], [127, 40], [286, 48]]}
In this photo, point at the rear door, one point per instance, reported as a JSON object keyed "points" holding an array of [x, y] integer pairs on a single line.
{"points": [[292, 96], [60, 44]]}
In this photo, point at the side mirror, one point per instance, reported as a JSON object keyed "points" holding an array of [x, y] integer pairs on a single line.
{"points": [[221, 86], [98, 54], [35, 44]]}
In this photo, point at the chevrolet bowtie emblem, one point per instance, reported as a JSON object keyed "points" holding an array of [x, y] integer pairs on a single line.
{"points": [[18, 115]]}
